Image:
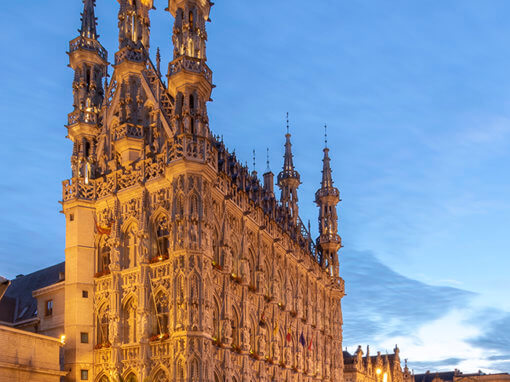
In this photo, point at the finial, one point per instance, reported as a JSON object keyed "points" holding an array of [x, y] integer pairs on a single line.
{"points": [[288, 127], [158, 61], [326, 136], [267, 160], [254, 162]]}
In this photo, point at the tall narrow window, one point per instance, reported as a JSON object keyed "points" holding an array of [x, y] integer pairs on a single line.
{"points": [[191, 102], [103, 261], [162, 236], [191, 19], [49, 308]]}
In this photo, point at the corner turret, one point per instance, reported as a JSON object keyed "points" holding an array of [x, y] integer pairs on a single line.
{"points": [[89, 60], [327, 197]]}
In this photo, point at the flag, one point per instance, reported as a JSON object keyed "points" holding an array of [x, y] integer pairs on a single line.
{"points": [[289, 335], [302, 340], [310, 346], [275, 330]]}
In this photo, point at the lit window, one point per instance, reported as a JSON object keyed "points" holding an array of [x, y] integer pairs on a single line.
{"points": [[49, 307]]}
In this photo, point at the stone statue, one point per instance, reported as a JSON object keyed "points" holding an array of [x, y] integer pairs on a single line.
{"points": [[114, 254], [245, 270], [262, 342], [227, 259]]}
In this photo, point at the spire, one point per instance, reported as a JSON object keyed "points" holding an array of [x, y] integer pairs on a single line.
{"points": [[88, 20], [268, 168], [327, 180], [289, 180], [327, 197], [288, 165]]}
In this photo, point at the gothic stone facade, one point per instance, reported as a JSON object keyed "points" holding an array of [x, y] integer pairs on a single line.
{"points": [[180, 264]]}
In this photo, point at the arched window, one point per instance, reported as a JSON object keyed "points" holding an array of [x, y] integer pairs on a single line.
{"points": [[129, 321], [103, 260], [104, 378], [130, 248], [191, 19], [162, 316], [102, 325], [163, 235], [131, 378]]}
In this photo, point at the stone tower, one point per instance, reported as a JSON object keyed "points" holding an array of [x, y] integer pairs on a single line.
{"points": [[88, 59], [180, 264]]}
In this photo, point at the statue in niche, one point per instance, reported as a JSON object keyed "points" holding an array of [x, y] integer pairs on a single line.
{"points": [[288, 354], [245, 270], [276, 289], [226, 330], [299, 358], [144, 247], [288, 296], [275, 348], [309, 364], [194, 233], [245, 339], [227, 259], [262, 343], [113, 243]]}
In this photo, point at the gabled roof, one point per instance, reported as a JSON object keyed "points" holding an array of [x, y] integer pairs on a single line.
{"points": [[18, 304]]}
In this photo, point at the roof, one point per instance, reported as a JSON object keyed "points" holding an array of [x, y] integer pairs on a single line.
{"points": [[18, 304], [428, 377]]}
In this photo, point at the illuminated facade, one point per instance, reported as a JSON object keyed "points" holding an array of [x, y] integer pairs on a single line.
{"points": [[359, 367], [180, 264]]}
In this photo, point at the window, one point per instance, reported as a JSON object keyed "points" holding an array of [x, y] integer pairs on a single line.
{"points": [[84, 338], [84, 375], [49, 307], [162, 236], [103, 263], [71, 217], [85, 294]]}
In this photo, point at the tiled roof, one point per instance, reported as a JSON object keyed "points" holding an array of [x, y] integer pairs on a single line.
{"points": [[18, 304]]}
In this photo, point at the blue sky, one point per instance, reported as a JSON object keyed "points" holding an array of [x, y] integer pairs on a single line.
{"points": [[417, 99]]}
